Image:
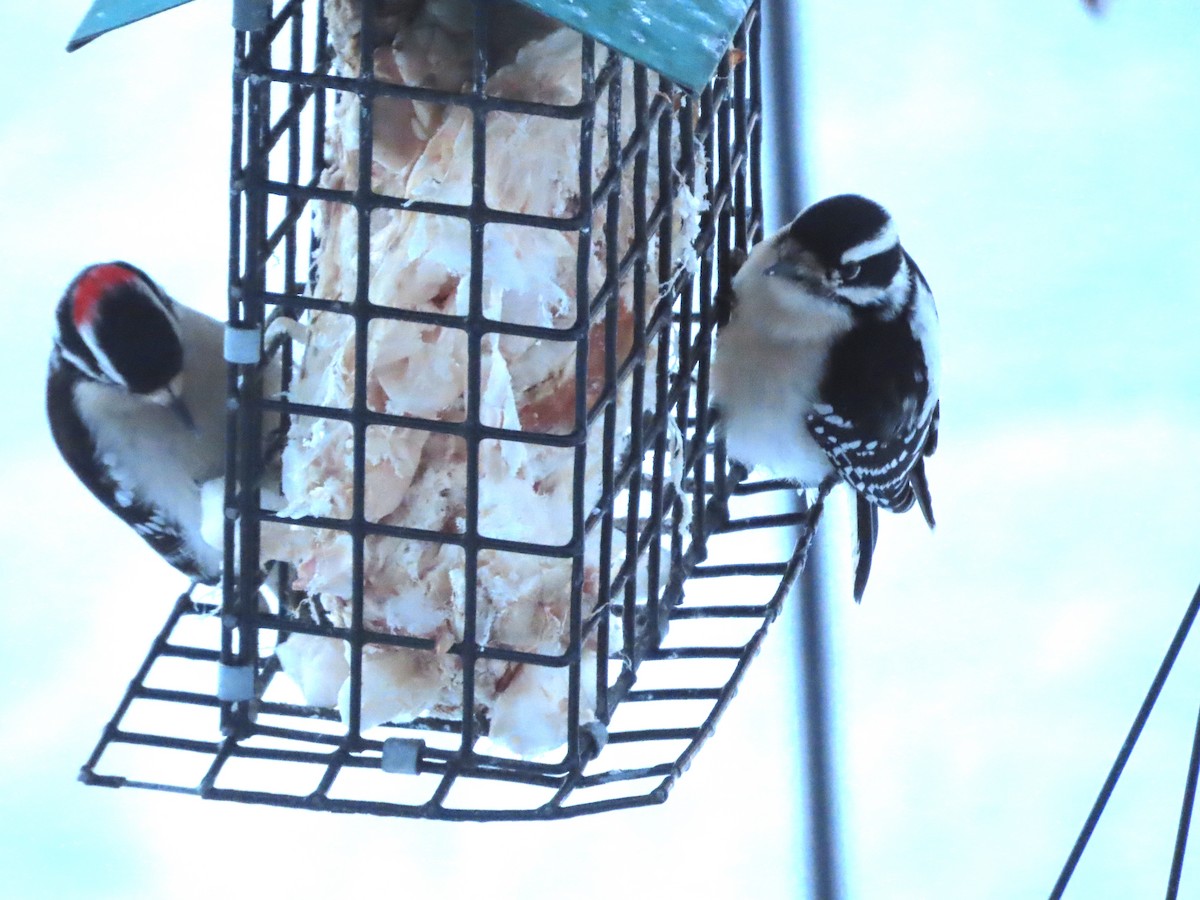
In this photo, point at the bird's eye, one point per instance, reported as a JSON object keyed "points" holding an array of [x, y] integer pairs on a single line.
{"points": [[849, 272]]}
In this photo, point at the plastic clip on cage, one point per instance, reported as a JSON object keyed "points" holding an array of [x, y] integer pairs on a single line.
{"points": [[497, 589]]}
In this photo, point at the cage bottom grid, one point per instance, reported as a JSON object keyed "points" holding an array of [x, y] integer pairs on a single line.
{"points": [[165, 734]]}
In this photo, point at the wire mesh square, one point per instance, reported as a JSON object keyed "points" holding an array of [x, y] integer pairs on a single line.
{"points": [[627, 523]]}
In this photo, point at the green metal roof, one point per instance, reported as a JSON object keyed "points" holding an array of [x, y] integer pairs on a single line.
{"points": [[108, 15], [681, 39]]}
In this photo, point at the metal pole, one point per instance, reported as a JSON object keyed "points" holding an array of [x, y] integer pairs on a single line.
{"points": [[786, 198], [782, 98]]}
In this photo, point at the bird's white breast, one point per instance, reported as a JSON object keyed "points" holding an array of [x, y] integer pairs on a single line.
{"points": [[764, 390], [154, 457], [769, 364]]}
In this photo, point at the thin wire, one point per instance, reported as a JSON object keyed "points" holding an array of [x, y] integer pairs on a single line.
{"points": [[1131, 739], [1185, 816]]}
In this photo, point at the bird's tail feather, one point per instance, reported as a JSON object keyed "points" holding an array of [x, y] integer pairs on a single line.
{"points": [[920, 486], [868, 530]]}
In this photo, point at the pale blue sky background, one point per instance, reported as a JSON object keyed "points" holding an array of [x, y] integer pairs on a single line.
{"points": [[1042, 168]]}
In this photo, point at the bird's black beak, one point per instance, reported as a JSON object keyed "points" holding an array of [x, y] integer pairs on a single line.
{"points": [[176, 405], [789, 270]]}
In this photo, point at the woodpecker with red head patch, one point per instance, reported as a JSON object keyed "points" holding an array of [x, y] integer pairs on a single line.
{"points": [[136, 402], [828, 367]]}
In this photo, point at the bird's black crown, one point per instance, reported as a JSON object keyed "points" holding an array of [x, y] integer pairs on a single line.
{"points": [[134, 328], [832, 226]]}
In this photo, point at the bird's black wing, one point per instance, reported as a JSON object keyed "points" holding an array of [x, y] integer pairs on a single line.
{"points": [[873, 417], [875, 424], [879, 469], [883, 473]]}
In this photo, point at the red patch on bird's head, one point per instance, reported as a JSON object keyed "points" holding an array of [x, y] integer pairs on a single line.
{"points": [[93, 285]]}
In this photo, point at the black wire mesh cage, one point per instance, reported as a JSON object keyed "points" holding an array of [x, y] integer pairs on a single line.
{"points": [[480, 255]]}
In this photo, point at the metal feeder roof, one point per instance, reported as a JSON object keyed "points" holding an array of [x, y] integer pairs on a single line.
{"points": [[683, 40]]}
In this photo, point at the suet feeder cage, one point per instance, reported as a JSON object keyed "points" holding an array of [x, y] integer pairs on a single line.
{"points": [[512, 575]]}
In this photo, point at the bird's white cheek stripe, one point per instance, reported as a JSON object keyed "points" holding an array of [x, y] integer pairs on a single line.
{"points": [[81, 364], [110, 372], [884, 240]]}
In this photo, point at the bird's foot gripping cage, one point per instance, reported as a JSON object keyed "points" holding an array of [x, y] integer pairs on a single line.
{"points": [[494, 245]]}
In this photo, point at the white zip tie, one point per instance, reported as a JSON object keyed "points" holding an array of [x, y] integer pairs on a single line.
{"points": [[402, 756], [243, 346], [235, 684]]}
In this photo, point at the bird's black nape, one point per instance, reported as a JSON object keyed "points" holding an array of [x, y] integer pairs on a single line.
{"points": [[868, 530]]}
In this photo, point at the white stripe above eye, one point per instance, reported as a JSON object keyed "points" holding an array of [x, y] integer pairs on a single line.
{"points": [[160, 299], [886, 239]]}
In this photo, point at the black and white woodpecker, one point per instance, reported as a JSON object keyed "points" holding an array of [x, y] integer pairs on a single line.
{"points": [[136, 402], [828, 366]]}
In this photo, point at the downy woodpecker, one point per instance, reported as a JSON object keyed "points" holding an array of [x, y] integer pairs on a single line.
{"points": [[136, 402], [828, 366]]}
